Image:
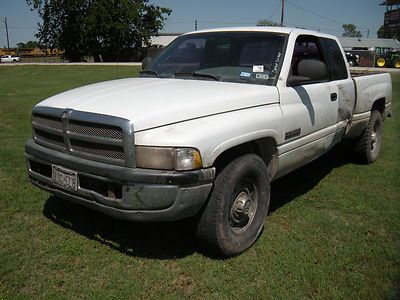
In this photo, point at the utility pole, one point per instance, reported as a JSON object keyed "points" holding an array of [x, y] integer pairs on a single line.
{"points": [[195, 25], [368, 33], [8, 41], [283, 11]]}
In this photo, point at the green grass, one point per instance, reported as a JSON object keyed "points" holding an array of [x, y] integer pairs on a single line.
{"points": [[333, 230]]}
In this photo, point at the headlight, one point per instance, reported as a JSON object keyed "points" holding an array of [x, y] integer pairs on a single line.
{"points": [[163, 158]]}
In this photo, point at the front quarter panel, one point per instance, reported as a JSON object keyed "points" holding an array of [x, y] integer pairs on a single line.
{"points": [[214, 134]]}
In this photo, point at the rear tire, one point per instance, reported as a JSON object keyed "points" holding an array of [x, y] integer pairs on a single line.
{"points": [[235, 213], [369, 145], [396, 63]]}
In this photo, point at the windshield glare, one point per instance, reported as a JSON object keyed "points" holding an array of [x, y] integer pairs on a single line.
{"points": [[243, 57]]}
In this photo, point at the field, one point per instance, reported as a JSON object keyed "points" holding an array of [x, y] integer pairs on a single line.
{"points": [[333, 230]]}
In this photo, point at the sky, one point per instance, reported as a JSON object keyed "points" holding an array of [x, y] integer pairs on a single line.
{"points": [[323, 15]]}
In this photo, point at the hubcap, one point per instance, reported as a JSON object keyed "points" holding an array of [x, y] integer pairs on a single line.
{"points": [[242, 210], [374, 139], [381, 62]]}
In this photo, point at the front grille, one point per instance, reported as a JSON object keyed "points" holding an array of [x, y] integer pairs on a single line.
{"points": [[99, 150], [48, 121], [49, 137], [93, 129], [91, 136]]}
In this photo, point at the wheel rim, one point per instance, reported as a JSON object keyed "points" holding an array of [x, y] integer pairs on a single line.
{"points": [[380, 62], [243, 208], [351, 63], [375, 138], [397, 64]]}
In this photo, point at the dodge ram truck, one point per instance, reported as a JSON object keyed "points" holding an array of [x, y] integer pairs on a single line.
{"points": [[204, 130]]}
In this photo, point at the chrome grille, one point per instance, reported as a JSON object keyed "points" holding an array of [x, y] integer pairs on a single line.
{"points": [[48, 121], [49, 137], [87, 135], [99, 150], [97, 130]]}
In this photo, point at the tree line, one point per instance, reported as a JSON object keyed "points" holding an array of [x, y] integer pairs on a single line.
{"points": [[82, 28]]}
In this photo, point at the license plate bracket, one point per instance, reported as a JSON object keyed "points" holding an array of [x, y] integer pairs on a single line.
{"points": [[64, 178]]}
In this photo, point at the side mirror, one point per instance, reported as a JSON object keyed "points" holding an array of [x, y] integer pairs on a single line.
{"points": [[146, 61]]}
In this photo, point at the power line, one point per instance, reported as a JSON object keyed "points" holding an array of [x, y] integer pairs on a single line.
{"points": [[227, 22], [318, 15], [276, 9], [20, 27]]}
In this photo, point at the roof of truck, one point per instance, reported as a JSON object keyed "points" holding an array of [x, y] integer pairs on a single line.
{"points": [[285, 30]]}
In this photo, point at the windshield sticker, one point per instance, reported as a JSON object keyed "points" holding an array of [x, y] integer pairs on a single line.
{"points": [[245, 74], [262, 76], [276, 63], [258, 69]]}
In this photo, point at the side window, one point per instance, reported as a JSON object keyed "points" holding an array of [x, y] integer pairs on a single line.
{"points": [[307, 47], [336, 62]]}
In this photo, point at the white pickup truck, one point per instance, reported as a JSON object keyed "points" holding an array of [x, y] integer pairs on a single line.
{"points": [[9, 58], [208, 125]]}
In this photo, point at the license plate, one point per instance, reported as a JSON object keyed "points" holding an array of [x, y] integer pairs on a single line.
{"points": [[64, 178]]}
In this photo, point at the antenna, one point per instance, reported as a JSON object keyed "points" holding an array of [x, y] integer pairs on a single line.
{"points": [[283, 11]]}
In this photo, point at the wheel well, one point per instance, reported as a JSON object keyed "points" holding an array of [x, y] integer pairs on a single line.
{"points": [[379, 105], [266, 148]]}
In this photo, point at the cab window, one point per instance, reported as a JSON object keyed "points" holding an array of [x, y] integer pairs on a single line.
{"points": [[307, 47], [337, 65]]}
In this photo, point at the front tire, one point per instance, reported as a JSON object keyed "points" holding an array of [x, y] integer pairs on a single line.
{"points": [[381, 62], [370, 143], [235, 213]]}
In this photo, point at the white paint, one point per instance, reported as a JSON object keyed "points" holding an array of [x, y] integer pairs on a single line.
{"points": [[215, 116]]}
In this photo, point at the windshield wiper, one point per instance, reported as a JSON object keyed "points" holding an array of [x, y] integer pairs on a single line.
{"points": [[150, 72], [198, 75]]}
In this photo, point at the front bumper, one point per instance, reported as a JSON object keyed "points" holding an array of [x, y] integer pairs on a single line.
{"points": [[121, 192]]}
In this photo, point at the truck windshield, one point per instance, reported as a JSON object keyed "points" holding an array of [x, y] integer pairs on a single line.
{"points": [[241, 57]]}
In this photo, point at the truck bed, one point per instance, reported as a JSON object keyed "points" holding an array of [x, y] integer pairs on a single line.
{"points": [[371, 87]]}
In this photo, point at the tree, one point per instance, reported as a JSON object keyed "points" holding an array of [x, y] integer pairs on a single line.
{"points": [[91, 27], [385, 32], [350, 30], [266, 22], [28, 45]]}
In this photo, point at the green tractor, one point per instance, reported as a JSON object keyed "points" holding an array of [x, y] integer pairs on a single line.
{"points": [[390, 59]]}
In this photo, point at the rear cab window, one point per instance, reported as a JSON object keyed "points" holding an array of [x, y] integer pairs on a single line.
{"points": [[336, 63]]}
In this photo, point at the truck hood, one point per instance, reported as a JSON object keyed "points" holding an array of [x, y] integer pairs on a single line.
{"points": [[154, 102]]}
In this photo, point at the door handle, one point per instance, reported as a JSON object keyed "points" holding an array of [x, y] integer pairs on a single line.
{"points": [[333, 97]]}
